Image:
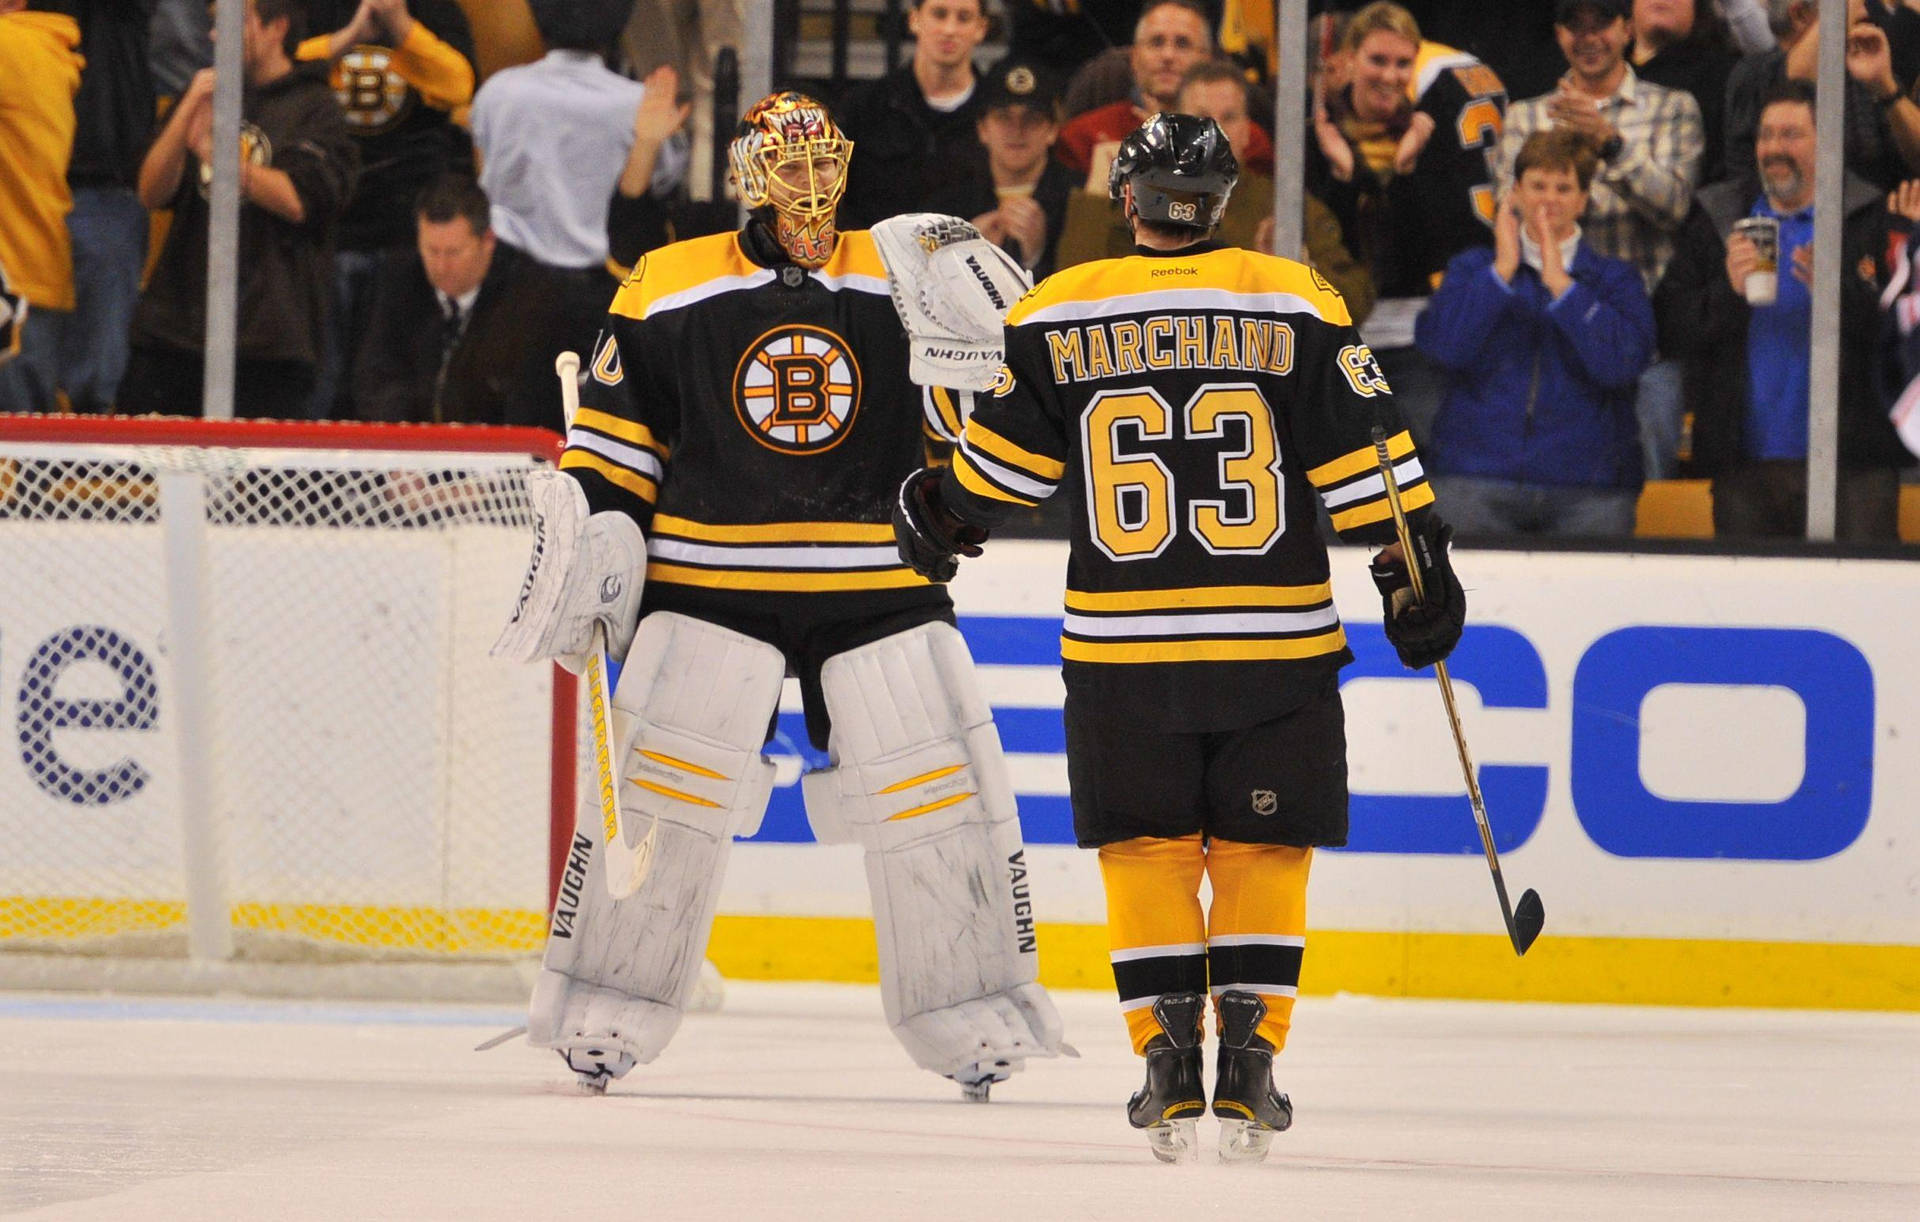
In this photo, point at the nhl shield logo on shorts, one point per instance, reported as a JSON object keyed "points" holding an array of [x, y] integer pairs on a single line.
{"points": [[797, 389], [1265, 802]]}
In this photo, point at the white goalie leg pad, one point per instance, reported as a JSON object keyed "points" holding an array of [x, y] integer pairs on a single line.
{"points": [[920, 782], [691, 712]]}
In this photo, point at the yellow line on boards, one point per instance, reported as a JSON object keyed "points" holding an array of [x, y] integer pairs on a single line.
{"points": [[1628, 971]]}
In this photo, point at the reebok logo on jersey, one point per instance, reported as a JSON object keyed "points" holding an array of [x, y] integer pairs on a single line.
{"points": [[1175, 271]]}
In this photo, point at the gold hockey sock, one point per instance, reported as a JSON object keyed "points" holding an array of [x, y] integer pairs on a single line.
{"points": [[1256, 929], [1155, 927]]}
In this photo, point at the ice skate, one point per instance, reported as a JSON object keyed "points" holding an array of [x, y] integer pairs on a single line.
{"points": [[595, 1066], [977, 1079], [1250, 1111], [1173, 1097]]}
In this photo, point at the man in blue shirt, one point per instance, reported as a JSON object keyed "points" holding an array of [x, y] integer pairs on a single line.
{"points": [[1748, 366], [1542, 340]]}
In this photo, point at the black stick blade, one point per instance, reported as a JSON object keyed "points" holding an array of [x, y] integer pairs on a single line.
{"points": [[1529, 916]]}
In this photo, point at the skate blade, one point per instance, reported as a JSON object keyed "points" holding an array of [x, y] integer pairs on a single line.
{"points": [[593, 1084], [1242, 1141], [1174, 1141]]}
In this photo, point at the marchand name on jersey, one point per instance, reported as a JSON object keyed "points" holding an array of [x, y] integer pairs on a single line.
{"points": [[1093, 350]]}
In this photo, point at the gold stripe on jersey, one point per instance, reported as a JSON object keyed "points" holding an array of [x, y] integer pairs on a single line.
{"points": [[979, 439], [943, 411], [1230, 279], [631, 431], [623, 477], [784, 582], [1360, 462], [1199, 596], [1354, 492], [775, 532], [701, 268], [803, 556], [1227, 649], [1417, 497], [973, 481]]}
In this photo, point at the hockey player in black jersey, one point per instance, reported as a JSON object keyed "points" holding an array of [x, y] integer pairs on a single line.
{"points": [[1191, 400], [744, 422]]}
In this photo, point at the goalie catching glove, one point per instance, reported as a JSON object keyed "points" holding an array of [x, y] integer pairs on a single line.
{"points": [[952, 289], [586, 569], [931, 538], [1423, 631]]}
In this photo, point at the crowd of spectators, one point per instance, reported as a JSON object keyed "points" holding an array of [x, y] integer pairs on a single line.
{"points": [[1552, 222]]}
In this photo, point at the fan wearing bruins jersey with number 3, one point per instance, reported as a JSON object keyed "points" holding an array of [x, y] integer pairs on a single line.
{"points": [[743, 424], [1192, 400]]}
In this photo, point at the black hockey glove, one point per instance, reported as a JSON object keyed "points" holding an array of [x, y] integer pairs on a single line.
{"points": [[1423, 633], [930, 536]]}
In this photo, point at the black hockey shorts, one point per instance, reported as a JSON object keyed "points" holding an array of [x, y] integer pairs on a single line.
{"points": [[1280, 782]]}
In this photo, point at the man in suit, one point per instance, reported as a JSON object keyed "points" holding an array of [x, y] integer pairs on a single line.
{"points": [[452, 339]]}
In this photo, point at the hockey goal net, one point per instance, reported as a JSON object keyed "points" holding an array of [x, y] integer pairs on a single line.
{"points": [[257, 741]]}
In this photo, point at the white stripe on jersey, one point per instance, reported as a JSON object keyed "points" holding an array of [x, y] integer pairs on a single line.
{"points": [[1268, 623], [1008, 477], [1271, 990], [877, 556], [1431, 70], [1154, 952], [646, 462], [853, 281], [1405, 471], [712, 288], [1256, 939], [1174, 301]]}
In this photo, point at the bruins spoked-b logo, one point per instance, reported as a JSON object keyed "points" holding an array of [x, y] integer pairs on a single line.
{"points": [[797, 389], [373, 96]]}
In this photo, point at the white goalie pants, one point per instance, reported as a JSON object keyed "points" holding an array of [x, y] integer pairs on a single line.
{"points": [[919, 782]]}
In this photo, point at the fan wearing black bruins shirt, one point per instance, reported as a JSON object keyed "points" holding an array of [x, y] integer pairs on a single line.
{"points": [[1191, 400], [743, 423]]}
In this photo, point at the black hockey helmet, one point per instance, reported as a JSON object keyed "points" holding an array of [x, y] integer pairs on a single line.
{"points": [[1181, 169]]}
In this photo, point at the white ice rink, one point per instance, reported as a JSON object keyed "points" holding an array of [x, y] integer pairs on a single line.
{"points": [[794, 1102]]}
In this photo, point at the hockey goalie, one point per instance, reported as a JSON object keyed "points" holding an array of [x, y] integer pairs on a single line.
{"points": [[721, 518]]}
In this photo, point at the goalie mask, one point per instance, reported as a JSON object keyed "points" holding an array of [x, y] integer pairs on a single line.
{"points": [[790, 158], [1181, 169]]}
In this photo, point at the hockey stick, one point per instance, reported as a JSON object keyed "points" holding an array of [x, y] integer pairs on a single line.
{"points": [[627, 866], [1523, 923]]}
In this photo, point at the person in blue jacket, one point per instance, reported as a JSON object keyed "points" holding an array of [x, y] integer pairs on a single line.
{"points": [[1541, 339]]}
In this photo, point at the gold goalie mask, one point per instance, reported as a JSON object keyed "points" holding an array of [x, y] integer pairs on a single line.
{"points": [[790, 157]]}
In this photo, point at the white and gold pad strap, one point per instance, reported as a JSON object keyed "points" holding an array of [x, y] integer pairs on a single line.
{"points": [[690, 716], [920, 782]]}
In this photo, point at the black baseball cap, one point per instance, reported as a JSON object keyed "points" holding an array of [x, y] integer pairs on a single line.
{"points": [[1020, 82], [1565, 10]]}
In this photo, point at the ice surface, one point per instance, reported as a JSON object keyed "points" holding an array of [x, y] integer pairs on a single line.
{"points": [[794, 1102]]}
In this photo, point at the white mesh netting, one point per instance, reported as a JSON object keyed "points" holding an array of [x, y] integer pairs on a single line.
{"points": [[364, 785]]}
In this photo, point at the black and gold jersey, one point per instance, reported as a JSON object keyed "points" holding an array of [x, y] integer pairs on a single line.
{"points": [[756, 420], [1192, 405]]}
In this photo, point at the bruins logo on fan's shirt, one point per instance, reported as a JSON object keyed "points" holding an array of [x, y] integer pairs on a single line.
{"points": [[373, 96], [797, 389], [255, 147]]}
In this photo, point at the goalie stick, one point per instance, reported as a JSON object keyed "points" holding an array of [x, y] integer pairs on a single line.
{"points": [[1525, 921], [627, 865]]}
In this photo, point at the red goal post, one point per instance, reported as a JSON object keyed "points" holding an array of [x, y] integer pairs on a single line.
{"points": [[258, 739]]}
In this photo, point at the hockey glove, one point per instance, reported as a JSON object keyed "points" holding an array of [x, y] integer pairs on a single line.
{"points": [[1423, 633], [586, 568], [930, 536]]}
